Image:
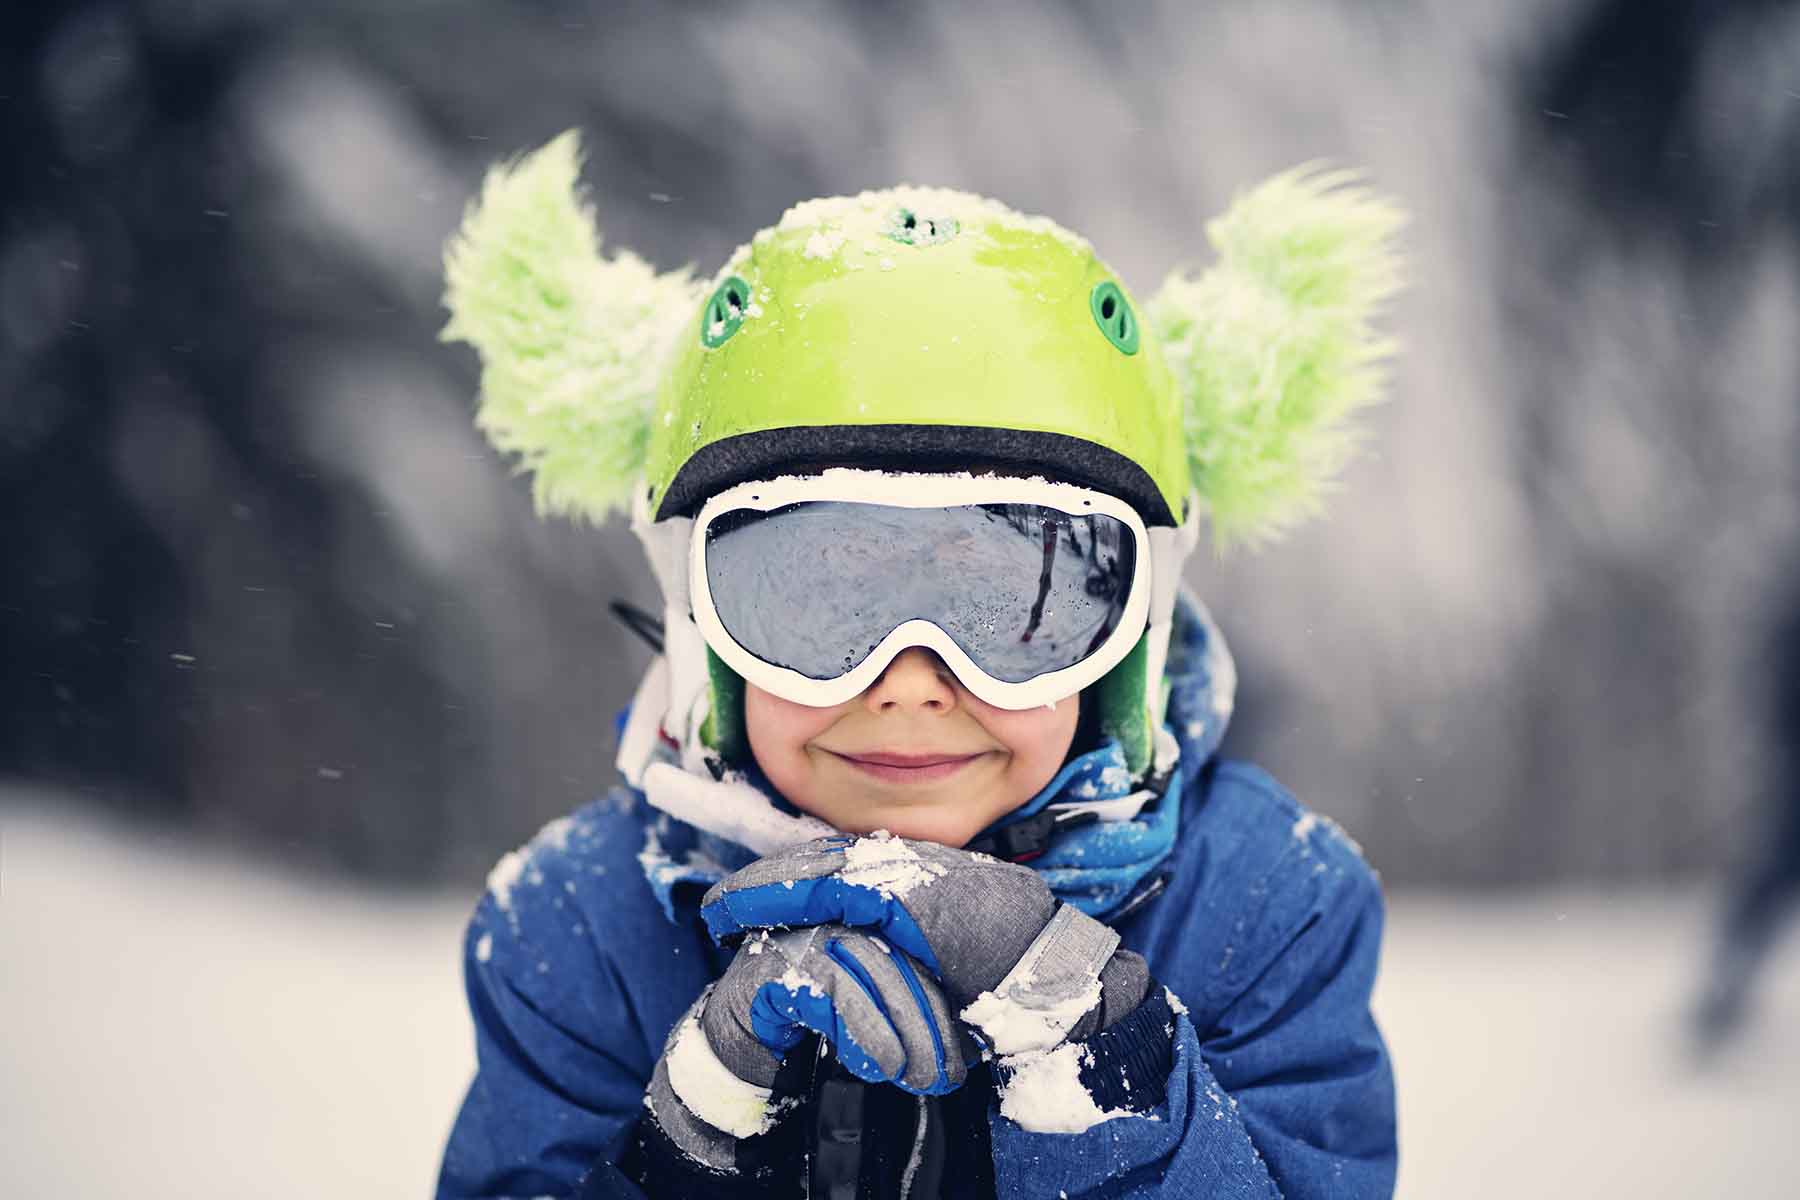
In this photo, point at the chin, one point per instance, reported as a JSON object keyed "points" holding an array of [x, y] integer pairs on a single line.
{"points": [[921, 824]]}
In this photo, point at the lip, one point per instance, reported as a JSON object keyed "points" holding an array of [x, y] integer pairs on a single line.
{"points": [[906, 768]]}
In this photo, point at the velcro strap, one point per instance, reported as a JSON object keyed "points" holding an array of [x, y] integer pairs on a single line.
{"points": [[1125, 1067], [1049, 989]]}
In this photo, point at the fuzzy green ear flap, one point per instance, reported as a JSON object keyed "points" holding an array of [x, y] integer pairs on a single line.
{"points": [[1274, 349], [572, 345]]}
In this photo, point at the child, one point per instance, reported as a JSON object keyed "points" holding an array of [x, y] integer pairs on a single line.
{"points": [[927, 879]]}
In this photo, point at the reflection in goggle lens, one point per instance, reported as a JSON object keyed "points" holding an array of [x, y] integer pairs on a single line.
{"points": [[1023, 589]]}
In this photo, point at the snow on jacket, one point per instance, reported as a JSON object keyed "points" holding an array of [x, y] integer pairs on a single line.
{"points": [[1262, 922]]}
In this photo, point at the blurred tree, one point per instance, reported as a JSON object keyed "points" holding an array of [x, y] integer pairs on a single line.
{"points": [[259, 574], [1656, 202], [173, 633]]}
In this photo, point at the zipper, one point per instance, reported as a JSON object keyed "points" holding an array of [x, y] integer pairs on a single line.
{"points": [[918, 1149]]}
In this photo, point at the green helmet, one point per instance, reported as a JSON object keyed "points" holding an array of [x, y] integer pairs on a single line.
{"points": [[924, 330], [917, 327]]}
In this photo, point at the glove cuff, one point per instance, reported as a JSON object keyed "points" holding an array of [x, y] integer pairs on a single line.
{"points": [[699, 1142], [1131, 1060], [708, 1087], [699, 1104], [1052, 986]]}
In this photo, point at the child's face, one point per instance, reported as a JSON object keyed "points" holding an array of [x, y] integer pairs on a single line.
{"points": [[915, 754]]}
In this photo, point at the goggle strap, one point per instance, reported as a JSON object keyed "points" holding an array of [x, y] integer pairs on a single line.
{"points": [[1169, 551]]}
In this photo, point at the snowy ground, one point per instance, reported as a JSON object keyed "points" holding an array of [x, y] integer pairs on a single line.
{"points": [[173, 1023]]}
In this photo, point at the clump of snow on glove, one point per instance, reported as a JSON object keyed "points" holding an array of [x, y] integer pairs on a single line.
{"points": [[1021, 1020], [887, 865], [794, 981]]}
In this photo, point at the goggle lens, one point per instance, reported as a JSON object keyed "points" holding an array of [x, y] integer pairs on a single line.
{"points": [[1023, 589]]}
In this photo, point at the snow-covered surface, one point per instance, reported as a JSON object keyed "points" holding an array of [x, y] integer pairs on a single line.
{"points": [[1537, 1045], [173, 1023], [870, 215]]}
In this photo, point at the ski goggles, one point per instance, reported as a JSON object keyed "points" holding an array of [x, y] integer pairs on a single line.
{"points": [[810, 586]]}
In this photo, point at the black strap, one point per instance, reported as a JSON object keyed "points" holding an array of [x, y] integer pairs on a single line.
{"points": [[643, 624], [1028, 838]]}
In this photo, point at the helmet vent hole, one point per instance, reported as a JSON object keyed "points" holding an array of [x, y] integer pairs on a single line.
{"points": [[1112, 313], [724, 312]]}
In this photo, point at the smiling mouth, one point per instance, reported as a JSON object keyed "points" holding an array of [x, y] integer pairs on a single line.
{"points": [[907, 768]]}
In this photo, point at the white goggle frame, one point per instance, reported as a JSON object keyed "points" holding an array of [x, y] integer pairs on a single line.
{"points": [[920, 490]]}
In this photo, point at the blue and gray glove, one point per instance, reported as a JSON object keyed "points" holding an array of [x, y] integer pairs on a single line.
{"points": [[1023, 972], [887, 1021]]}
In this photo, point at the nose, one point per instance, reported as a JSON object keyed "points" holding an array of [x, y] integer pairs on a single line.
{"points": [[916, 679]]}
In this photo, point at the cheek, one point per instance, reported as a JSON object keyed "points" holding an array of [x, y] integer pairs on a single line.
{"points": [[1039, 738], [778, 730]]}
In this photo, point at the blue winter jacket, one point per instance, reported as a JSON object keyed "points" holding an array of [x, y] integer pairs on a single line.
{"points": [[1262, 921]]}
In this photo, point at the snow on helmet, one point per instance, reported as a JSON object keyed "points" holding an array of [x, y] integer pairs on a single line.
{"points": [[924, 330]]}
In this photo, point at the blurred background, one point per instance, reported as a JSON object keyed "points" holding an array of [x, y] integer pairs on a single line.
{"points": [[286, 661]]}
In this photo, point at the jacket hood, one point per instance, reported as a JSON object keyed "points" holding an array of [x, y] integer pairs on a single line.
{"points": [[704, 823]]}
